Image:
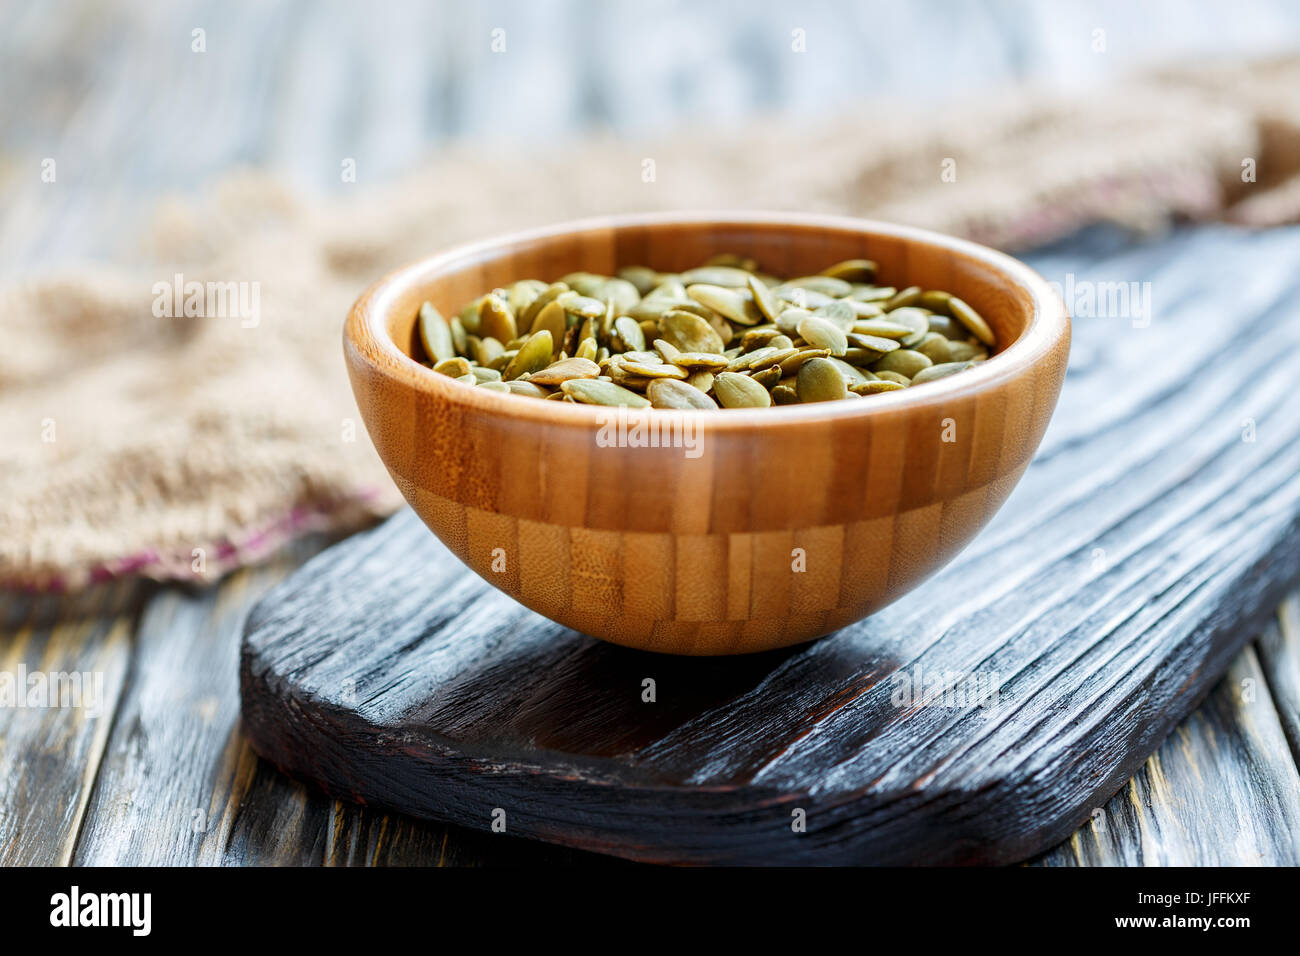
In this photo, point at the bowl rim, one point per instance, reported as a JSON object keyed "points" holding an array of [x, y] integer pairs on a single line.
{"points": [[366, 327]]}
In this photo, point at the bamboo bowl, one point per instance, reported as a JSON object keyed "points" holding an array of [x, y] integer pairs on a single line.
{"points": [[780, 524]]}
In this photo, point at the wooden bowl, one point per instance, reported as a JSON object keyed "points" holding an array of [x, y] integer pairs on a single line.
{"points": [[780, 524]]}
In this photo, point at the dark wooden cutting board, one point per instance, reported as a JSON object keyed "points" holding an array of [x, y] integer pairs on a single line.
{"points": [[1153, 534]]}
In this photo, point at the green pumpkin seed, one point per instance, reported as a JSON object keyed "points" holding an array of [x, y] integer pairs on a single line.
{"points": [[792, 365], [518, 387], [788, 321], [669, 393], [768, 304], [716, 275], [455, 367], [820, 380], [852, 270], [852, 376], [495, 320], [562, 371], [936, 300], [903, 361], [973, 321], [942, 370], [629, 333], [823, 284], [874, 386], [935, 347], [593, 392], [840, 313], [739, 391], [643, 278], [487, 351], [702, 380], [584, 306], [551, 319], [701, 360], [948, 327], [724, 333], [884, 328], [824, 334], [966, 352], [887, 376], [734, 305], [877, 343], [533, 356], [435, 334], [903, 297], [689, 333], [652, 369]]}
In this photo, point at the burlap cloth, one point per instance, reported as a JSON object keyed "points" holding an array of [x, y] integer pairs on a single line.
{"points": [[181, 447]]}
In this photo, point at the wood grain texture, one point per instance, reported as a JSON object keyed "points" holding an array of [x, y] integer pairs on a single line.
{"points": [[1151, 537], [51, 746], [1222, 790], [695, 550]]}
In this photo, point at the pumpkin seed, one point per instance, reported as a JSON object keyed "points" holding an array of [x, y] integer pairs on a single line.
{"points": [[903, 361], [435, 334], [739, 391], [518, 387], [593, 392], [852, 270], [652, 369], [722, 334], [533, 356], [562, 371], [702, 380], [670, 393], [942, 370], [965, 352], [821, 381], [903, 297], [874, 386], [824, 334], [764, 300], [973, 321], [689, 332], [731, 304], [495, 320], [935, 347], [716, 275], [887, 376], [455, 367], [645, 279], [629, 333]]}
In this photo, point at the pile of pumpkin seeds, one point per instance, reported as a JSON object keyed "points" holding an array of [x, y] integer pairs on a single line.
{"points": [[724, 334]]}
